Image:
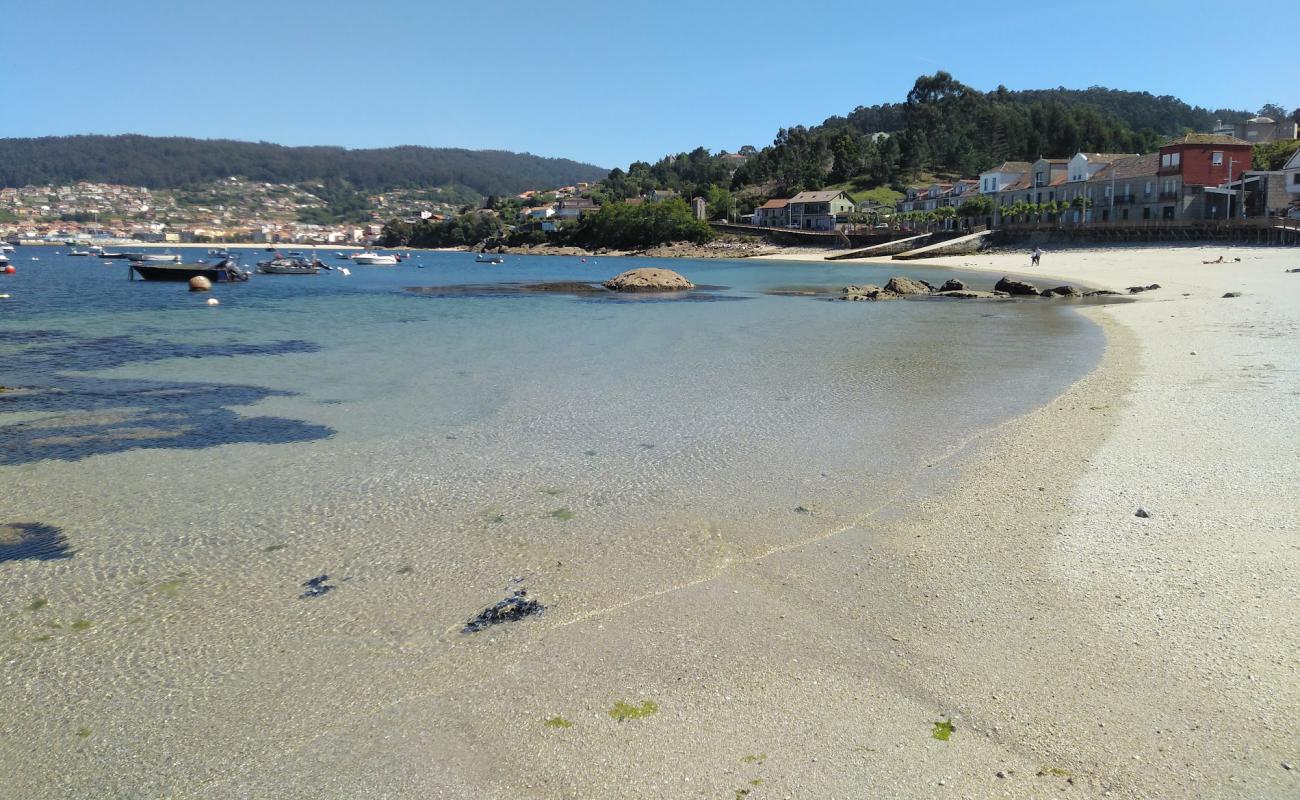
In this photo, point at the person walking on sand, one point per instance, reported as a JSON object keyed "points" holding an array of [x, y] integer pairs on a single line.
{"points": [[1035, 256]]}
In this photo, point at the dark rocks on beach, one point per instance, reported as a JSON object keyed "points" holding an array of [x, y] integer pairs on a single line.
{"points": [[901, 285], [970, 294], [1100, 293], [1232, 294], [1143, 513], [866, 292], [1016, 288], [1140, 289], [317, 587], [515, 607], [1061, 291], [952, 285], [648, 279]]}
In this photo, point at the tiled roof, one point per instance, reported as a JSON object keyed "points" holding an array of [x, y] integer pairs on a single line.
{"points": [[1131, 167], [1108, 158], [1012, 166], [815, 197], [775, 202], [1205, 138], [1023, 183]]}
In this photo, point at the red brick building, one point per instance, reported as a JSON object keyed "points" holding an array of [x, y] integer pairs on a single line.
{"points": [[1193, 162]]}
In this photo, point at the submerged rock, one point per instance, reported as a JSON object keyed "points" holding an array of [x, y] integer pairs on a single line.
{"points": [[515, 607], [901, 285], [866, 292], [34, 541], [1017, 288], [648, 279]]}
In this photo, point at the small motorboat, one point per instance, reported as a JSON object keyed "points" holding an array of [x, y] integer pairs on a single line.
{"points": [[289, 265], [489, 258], [5, 247], [373, 259], [81, 253], [155, 257], [108, 255], [224, 271]]}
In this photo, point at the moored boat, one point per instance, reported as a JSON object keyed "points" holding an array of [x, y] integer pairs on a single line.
{"points": [[486, 258], [81, 253], [373, 259], [155, 257], [289, 266], [106, 254], [225, 271]]}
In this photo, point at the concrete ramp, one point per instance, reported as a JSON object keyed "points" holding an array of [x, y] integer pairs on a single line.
{"points": [[950, 247], [883, 249]]}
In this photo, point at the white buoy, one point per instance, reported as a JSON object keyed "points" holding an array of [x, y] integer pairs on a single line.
{"points": [[345, 270], [200, 284], [212, 301]]}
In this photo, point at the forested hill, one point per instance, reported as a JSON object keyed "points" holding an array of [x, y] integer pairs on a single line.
{"points": [[171, 162]]}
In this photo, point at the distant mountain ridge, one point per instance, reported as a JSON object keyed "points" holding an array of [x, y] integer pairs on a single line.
{"points": [[173, 162]]}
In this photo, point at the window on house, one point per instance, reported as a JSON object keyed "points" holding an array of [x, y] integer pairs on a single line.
{"points": [[1175, 159], [1164, 159], [1148, 189], [1216, 159]]}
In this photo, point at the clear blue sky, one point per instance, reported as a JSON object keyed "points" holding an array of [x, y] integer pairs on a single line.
{"points": [[605, 81]]}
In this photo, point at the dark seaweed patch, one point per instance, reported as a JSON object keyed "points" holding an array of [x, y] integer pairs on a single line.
{"points": [[317, 587], [109, 415], [515, 607], [34, 541]]}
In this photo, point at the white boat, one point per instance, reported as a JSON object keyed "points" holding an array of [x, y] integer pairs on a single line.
{"points": [[78, 252], [5, 247], [172, 257], [485, 258], [373, 259]]}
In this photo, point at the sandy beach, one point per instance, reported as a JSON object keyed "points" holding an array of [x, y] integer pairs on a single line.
{"points": [[1011, 591], [999, 625]]}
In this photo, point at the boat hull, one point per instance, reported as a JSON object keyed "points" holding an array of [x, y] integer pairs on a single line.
{"points": [[183, 272]]}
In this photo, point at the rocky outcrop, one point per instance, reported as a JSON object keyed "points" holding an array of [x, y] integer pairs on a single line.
{"points": [[1061, 291], [901, 285], [648, 279], [952, 285], [1100, 293], [1232, 294], [1140, 289], [1016, 288], [971, 294], [866, 292]]}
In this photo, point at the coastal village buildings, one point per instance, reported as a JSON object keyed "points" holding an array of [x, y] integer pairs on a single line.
{"points": [[1258, 130], [817, 210], [1291, 177], [773, 214]]}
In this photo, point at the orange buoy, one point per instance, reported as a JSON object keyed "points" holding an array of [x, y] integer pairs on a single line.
{"points": [[9, 270]]}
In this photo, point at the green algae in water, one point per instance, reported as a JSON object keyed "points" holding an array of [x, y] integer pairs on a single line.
{"points": [[943, 730], [406, 570], [170, 588], [37, 604], [83, 732], [551, 492], [558, 722], [1057, 771], [741, 794], [589, 452], [624, 711], [44, 637], [493, 516], [754, 759], [82, 624], [271, 548], [562, 514]]}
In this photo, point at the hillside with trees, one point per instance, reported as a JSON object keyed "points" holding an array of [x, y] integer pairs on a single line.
{"points": [[942, 128], [174, 162]]}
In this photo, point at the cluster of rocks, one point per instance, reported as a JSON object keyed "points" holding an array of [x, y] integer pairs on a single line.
{"points": [[899, 287]]}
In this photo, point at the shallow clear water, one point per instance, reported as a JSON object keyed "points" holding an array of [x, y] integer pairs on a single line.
{"points": [[201, 462]]}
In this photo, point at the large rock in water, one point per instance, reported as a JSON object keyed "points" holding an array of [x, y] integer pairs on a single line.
{"points": [[1016, 287], [952, 285], [901, 285], [1061, 291], [648, 279]]}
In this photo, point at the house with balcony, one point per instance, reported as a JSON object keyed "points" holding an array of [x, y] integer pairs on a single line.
{"points": [[774, 213], [1126, 189], [1193, 162], [817, 211], [575, 207]]}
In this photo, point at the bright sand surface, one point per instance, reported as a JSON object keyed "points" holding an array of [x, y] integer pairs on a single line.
{"points": [[1008, 590]]}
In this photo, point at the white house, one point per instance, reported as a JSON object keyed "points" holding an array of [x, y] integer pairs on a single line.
{"points": [[1008, 172], [1084, 165]]}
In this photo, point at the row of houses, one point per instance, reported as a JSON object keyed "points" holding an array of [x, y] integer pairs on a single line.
{"points": [[1198, 176]]}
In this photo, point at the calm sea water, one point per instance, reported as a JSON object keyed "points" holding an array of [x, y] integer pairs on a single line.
{"points": [[171, 473]]}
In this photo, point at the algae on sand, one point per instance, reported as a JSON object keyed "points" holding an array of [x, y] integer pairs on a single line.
{"points": [[943, 730], [562, 514], [558, 722], [625, 711]]}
